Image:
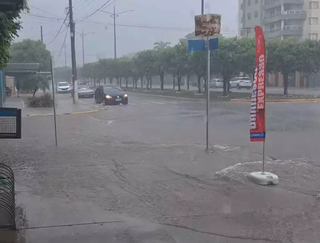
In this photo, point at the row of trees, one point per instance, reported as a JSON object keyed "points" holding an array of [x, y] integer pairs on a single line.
{"points": [[233, 56]]}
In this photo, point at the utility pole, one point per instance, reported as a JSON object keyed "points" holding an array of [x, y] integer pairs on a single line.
{"points": [[83, 35], [73, 53], [114, 15], [65, 54], [114, 32], [41, 33], [202, 7]]}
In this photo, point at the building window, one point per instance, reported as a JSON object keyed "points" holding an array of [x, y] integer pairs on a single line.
{"points": [[313, 21], [314, 5], [249, 16], [256, 14], [249, 2], [313, 36]]}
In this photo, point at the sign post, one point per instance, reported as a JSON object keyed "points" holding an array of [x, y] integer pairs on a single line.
{"points": [[258, 108], [207, 26]]}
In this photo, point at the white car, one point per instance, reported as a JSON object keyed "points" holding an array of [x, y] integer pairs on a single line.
{"points": [[241, 82], [216, 83], [63, 87]]}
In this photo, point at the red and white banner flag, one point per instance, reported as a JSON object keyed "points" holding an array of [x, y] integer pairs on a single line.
{"points": [[258, 98]]}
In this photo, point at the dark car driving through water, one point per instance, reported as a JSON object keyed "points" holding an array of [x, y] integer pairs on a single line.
{"points": [[110, 95]]}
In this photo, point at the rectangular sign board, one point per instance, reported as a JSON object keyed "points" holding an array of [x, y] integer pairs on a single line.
{"points": [[200, 45], [10, 123], [207, 25], [258, 95]]}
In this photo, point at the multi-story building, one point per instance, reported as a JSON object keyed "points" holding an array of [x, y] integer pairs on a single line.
{"points": [[280, 18], [250, 15]]}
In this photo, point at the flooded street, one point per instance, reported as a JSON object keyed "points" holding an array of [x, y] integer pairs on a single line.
{"points": [[139, 173]]}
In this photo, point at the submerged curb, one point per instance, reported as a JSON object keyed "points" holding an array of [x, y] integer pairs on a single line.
{"points": [[282, 101], [67, 113]]}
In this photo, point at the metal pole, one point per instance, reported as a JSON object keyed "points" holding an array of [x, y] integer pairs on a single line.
{"points": [[114, 32], [65, 54], [208, 97], [41, 33], [82, 48], [54, 104], [73, 53], [202, 7], [263, 156]]}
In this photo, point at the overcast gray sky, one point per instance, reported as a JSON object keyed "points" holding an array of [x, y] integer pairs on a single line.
{"points": [[151, 21]]}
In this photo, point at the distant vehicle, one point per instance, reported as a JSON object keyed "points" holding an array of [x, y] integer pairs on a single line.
{"points": [[241, 82], [110, 95], [216, 83], [63, 87], [85, 92]]}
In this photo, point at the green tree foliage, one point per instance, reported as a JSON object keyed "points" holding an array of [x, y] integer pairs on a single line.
{"points": [[284, 56], [9, 27], [232, 57], [30, 51]]}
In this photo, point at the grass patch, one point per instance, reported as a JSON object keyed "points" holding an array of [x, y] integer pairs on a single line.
{"points": [[214, 95]]}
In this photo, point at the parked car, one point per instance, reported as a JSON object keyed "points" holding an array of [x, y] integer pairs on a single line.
{"points": [[85, 92], [241, 82], [110, 95], [63, 87], [216, 83]]}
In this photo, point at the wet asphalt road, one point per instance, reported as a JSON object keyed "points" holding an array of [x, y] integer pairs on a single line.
{"points": [[139, 173]]}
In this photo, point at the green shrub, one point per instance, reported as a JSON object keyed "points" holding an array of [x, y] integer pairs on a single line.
{"points": [[41, 101]]}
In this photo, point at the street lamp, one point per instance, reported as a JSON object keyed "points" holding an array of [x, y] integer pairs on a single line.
{"points": [[114, 15], [83, 35]]}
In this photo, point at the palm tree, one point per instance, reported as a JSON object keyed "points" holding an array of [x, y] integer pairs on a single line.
{"points": [[158, 46]]}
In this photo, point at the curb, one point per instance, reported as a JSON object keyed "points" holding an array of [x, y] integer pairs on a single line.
{"points": [[167, 96], [67, 113], [292, 101]]}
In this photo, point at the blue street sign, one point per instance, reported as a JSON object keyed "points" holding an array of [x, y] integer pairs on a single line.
{"points": [[213, 44], [200, 45]]}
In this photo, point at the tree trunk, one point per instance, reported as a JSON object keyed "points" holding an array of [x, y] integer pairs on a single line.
{"points": [[141, 82], [34, 92], [150, 79], [188, 82], [285, 83], [105, 81], [179, 82], [120, 81], [199, 83], [126, 82], [225, 84], [162, 80], [174, 82]]}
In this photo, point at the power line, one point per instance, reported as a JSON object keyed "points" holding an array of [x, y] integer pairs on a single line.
{"points": [[44, 11], [59, 31], [63, 44], [83, 3], [132, 25], [94, 12]]}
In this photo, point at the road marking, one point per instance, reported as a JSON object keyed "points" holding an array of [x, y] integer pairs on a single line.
{"points": [[158, 103]]}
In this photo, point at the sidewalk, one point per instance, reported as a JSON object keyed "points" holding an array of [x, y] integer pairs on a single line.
{"points": [[64, 106]]}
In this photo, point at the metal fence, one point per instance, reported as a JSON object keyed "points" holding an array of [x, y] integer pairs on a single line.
{"points": [[7, 198]]}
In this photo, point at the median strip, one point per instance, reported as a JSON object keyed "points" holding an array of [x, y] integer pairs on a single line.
{"points": [[67, 113]]}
